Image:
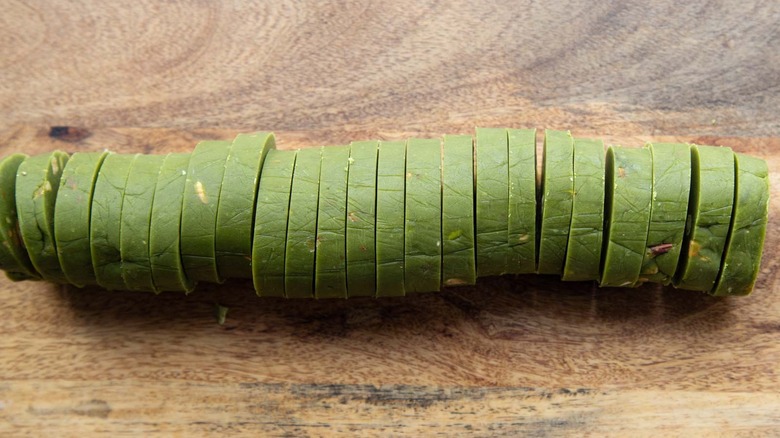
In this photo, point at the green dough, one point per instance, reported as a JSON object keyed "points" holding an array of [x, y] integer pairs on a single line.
{"points": [[557, 192], [745, 245], [105, 220], [629, 193], [671, 190], [390, 192], [302, 225], [361, 219], [71, 216], [199, 211], [13, 256], [522, 201], [492, 201], [136, 221], [237, 202], [387, 218], [422, 230], [271, 214], [457, 211], [37, 182], [712, 201], [330, 273], [583, 254], [164, 236]]}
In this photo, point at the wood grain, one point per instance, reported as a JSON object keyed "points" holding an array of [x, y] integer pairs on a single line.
{"points": [[317, 410], [512, 355], [636, 67]]}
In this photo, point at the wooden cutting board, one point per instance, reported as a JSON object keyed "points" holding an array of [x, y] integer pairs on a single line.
{"points": [[512, 355]]}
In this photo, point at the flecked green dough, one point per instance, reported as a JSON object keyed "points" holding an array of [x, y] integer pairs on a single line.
{"points": [[233, 239], [457, 214], [13, 256], [422, 230], [746, 238], [390, 193], [387, 218], [71, 216], [37, 182], [302, 225], [106, 220], [557, 194], [491, 197], [164, 236], [671, 191], [583, 252], [522, 201], [271, 218], [710, 212], [361, 219], [136, 220], [629, 193], [200, 208], [330, 274]]}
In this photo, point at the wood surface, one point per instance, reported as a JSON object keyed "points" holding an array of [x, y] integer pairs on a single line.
{"points": [[512, 355]]}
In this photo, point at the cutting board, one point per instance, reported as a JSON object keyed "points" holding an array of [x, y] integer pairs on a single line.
{"points": [[511, 355]]}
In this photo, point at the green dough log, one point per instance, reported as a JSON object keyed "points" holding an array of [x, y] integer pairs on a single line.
{"points": [[629, 193], [271, 215], [422, 225], [199, 211], [557, 192], [710, 209], [235, 212], [492, 201], [136, 218], [330, 274], [105, 220], [583, 253], [13, 256], [390, 194], [361, 219], [72, 216], [671, 190], [164, 227], [745, 245], [37, 182], [457, 213], [387, 218], [302, 225], [522, 201]]}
